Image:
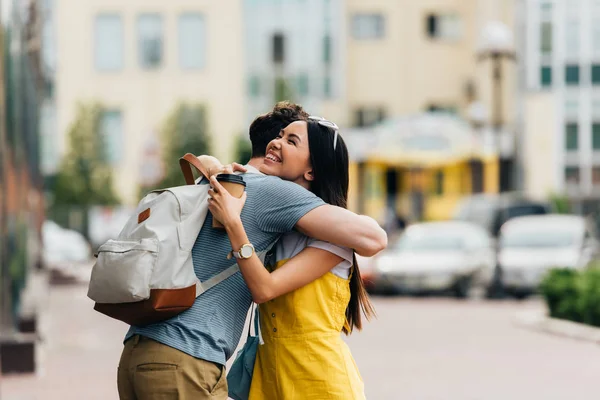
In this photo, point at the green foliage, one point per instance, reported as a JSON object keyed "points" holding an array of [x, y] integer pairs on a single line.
{"points": [[84, 177], [243, 149], [573, 295], [560, 204], [283, 90], [184, 131]]}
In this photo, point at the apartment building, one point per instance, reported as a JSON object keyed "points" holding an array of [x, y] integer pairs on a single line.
{"points": [[139, 59]]}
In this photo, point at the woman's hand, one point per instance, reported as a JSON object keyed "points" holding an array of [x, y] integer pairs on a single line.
{"points": [[227, 169], [223, 206]]}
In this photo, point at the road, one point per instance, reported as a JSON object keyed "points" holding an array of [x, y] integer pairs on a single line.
{"points": [[418, 348]]}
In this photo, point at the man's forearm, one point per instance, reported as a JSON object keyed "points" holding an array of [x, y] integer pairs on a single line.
{"points": [[344, 228]]}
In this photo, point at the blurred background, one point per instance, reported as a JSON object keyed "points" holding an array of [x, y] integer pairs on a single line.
{"points": [[474, 133]]}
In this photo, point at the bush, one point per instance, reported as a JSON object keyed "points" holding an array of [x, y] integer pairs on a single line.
{"points": [[573, 295], [560, 289]]}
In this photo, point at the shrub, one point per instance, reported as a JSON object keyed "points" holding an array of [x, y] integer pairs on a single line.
{"points": [[573, 295]]}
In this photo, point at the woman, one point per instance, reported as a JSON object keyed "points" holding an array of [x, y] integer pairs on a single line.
{"points": [[314, 290]]}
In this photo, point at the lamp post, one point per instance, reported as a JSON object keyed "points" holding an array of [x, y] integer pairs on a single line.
{"points": [[496, 44]]}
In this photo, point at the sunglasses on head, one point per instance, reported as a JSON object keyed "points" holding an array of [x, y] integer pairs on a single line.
{"points": [[323, 122]]}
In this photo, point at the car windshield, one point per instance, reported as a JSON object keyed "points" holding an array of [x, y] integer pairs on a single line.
{"points": [[430, 241], [538, 238]]}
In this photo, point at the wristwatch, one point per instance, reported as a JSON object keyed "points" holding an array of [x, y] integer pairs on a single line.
{"points": [[244, 252]]}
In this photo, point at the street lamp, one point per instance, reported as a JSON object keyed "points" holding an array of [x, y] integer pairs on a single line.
{"points": [[496, 44]]}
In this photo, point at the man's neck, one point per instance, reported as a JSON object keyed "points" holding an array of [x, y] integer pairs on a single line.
{"points": [[256, 162]]}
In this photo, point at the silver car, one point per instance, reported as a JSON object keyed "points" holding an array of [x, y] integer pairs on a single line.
{"points": [[437, 256], [530, 246]]}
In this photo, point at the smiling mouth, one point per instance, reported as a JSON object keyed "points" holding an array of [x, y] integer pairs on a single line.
{"points": [[272, 157]]}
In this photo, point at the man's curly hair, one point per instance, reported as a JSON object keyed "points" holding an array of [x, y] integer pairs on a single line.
{"points": [[266, 127]]}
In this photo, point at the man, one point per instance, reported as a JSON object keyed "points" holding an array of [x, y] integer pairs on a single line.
{"points": [[185, 356]]}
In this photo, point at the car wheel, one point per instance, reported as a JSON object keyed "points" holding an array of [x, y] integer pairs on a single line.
{"points": [[462, 289], [521, 295], [495, 290]]}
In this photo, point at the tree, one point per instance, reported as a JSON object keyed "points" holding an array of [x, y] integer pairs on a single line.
{"points": [[243, 149], [184, 131], [85, 177]]}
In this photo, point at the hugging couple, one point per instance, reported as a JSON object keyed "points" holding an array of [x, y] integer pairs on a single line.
{"points": [[308, 293]]}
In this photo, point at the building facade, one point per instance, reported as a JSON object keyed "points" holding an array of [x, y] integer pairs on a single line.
{"points": [[295, 49], [139, 60]]}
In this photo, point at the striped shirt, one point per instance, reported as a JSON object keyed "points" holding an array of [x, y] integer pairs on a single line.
{"points": [[212, 327]]}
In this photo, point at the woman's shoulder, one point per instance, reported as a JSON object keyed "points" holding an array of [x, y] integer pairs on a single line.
{"points": [[343, 252]]}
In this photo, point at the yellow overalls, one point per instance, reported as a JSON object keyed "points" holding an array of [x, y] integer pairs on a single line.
{"points": [[303, 356]]}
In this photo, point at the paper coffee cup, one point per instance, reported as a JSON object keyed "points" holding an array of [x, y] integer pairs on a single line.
{"points": [[235, 185]]}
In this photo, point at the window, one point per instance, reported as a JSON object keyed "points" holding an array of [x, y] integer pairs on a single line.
{"points": [[546, 38], [596, 176], [327, 50], [327, 90], [446, 26], [596, 74], [108, 42], [368, 26], [596, 136], [572, 74], [546, 76], [150, 40], [278, 48], [572, 39], [571, 136], [439, 183], [192, 41], [111, 130], [254, 86], [302, 85], [436, 108], [572, 175], [368, 116]]}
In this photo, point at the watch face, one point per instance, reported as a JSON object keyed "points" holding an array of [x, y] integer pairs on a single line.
{"points": [[246, 252]]}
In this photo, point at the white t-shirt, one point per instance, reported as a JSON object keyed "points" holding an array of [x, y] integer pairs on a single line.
{"points": [[294, 242]]}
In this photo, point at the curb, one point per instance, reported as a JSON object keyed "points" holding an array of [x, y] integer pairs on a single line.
{"points": [[538, 320]]}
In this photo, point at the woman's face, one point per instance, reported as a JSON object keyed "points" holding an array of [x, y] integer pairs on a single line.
{"points": [[288, 156]]}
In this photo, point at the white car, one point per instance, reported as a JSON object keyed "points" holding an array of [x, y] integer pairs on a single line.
{"points": [[63, 246], [530, 246], [437, 256]]}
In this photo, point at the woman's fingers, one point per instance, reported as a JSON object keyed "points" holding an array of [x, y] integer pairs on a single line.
{"points": [[217, 187], [239, 168]]}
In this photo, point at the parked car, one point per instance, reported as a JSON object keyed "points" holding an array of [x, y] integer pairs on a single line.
{"points": [[436, 256], [491, 211], [63, 246], [530, 246]]}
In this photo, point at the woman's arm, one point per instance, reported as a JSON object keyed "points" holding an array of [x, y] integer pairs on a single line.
{"points": [[213, 166], [345, 228], [263, 285]]}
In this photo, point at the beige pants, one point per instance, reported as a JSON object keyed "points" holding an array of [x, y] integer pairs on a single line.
{"points": [[149, 370]]}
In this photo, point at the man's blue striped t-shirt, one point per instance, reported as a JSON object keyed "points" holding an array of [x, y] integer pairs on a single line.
{"points": [[212, 327]]}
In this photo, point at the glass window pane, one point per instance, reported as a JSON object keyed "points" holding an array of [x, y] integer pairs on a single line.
{"points": [[327, 49], [108, 42], [596, 73], [596, 136], [572, 175], [254, 86], [150, 40], [302, 85], [596, 176], [327, 87], [192, 41], [572, 38], [368, 26], [546, 76], [111, 129], [572, 136], [572, 74], [546, 38]]}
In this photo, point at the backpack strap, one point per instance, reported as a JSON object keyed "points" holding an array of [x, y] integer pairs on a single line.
{"points": [[202, 287], [186, 163]]}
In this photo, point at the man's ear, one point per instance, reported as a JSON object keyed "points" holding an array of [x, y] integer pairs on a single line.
{"points": [[309, 176]]}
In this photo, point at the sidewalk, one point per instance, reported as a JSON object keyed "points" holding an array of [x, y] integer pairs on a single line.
{"points": [[79, 353]]}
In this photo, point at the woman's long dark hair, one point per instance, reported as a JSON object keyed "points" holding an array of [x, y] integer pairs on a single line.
{"points": [[331, 180]]}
